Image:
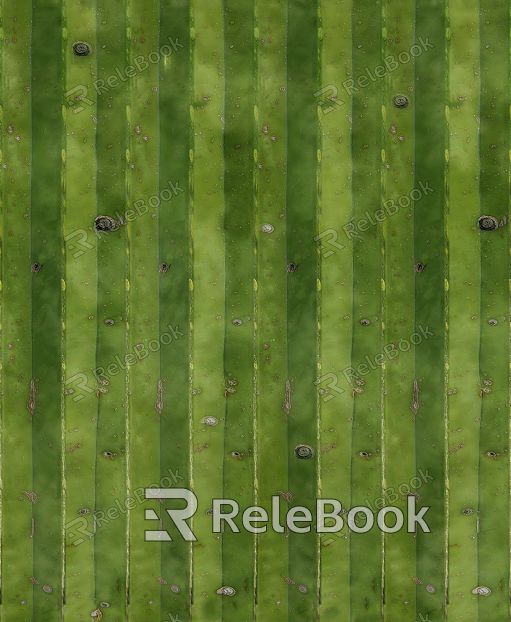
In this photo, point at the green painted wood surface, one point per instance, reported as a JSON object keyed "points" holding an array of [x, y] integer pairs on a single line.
{"points": [[296, 260]]}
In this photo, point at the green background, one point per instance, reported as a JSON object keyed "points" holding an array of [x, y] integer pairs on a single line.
{"points": [[261, 112]]}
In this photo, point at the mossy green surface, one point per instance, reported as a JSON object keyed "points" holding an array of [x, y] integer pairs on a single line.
{"points": [[256, 294]]}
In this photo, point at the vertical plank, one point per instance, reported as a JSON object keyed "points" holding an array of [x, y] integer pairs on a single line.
{"points": [[493, 541], [336, 296], [174, 298], [274, 401], [430, 269], [207, 231], [238, 475], [111, 145], [80, 312], [400, 409], [47, 285], [366, 467], [16, 435], [464, 406], [301, 221], [143, 315]]}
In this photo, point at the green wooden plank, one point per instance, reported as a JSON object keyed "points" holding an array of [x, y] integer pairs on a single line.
{"points": [[175, 248], [335, 210], [366, 473], [111, 143], [301, 201], [80, 313], [429, 240], [46, 250], [16, 434], [143, 316], [207, 224], [399, 412], [493, 541], [464, 300], [273, 408], [238, 472]]}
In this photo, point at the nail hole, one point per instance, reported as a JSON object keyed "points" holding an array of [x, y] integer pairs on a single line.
{"points": [[226, 591], [37, 267], [80, 48], [292, 267], [304, 452], [105, 223], [400, 101], [481, 591], [365, 322], [210, 421], [420, 267], [488, 223]]}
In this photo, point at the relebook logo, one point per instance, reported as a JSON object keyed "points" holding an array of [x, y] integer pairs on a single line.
{"points": [[328, 518]]}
